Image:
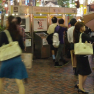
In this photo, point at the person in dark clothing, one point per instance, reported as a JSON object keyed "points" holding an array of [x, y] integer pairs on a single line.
{"points": [[13, 68], [83, 67], [61, 39]]}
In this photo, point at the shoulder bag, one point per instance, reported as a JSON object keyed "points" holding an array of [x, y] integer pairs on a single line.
{"points": [[10, 50], [83, 48]]}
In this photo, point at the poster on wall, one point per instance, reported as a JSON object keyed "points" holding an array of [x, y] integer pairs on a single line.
{"points": [[28, 42], [40, 24], [15, 9]]}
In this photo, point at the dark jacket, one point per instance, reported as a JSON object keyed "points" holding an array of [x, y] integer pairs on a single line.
{"points": [[85, 37]]}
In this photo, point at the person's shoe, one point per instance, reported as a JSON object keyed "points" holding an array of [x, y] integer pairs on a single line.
{"points": [[53, 60], [65, 62], [83, 92], [76, 86], [57, 65]]}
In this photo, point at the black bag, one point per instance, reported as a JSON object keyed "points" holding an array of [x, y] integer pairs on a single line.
{"points": [[49, 39]]}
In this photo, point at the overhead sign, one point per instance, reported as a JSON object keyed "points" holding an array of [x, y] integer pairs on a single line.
{"points": [[70, 10], [55, 10], [42, 10], [40, 24]]}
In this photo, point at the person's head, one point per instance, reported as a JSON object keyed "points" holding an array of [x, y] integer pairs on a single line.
{"points": [[18, 20], [73, 21], [61, 21], [9, 20], [12, 27], [79, 27], [54, 20]]}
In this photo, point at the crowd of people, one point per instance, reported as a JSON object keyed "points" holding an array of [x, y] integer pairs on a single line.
{"points": [[80, 63], [14, 68]]}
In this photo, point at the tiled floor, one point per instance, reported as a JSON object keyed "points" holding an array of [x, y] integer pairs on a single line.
{"points": [[45, 79]]}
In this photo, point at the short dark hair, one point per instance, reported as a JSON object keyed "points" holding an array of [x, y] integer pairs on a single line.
{"points": [[18, 20], [54, 20], [61, 21], [73, 21]]}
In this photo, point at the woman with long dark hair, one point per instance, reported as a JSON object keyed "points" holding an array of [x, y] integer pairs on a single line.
{"points": [[83, 67], [13, 68]]}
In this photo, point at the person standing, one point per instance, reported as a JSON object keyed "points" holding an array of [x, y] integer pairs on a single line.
{"points": [[83, 67], [21, 29], [61, 29], [13, 68], [50, 31], [92, 35], [70, 40]]}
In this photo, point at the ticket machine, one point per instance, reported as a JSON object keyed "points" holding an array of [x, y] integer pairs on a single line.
{"points": [[42, 49]]}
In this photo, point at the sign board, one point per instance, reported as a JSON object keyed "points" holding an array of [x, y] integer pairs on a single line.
{"points": [[40, 23], [24, 10], [42, 10], [16, 9], [55, 10], [70, 10], [28, 42]]}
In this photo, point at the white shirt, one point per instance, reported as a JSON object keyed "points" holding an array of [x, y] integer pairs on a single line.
{"points": [[70, 34], [51, 28]]}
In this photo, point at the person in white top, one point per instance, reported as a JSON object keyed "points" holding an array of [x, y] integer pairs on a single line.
{"points": [[51, 30], [70, 40], [70, 34]]}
